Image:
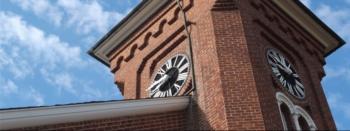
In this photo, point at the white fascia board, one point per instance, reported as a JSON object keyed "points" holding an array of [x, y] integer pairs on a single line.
{"points": [[309, 24], [127, 27], [19, 118]]}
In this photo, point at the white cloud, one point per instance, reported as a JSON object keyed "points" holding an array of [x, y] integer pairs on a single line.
{"points": [[339, 103], [7, 87], [337, 18], [41, 48], [84, 16], [3, 59], [26, 50], [41, 8], [9, 90], [339, 72], [64, 80], [88, 16], [61, 80], [90, 93], [14, 64], [35, 96], [28, 53]]}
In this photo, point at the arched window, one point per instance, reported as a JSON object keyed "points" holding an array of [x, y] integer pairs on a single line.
{"points": [[287, 117], [304, 120], [286, 110], [293, 117], [303, 124]]}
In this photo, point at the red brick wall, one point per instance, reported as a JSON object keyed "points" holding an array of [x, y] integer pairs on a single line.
{"points": [[235, 89], [238, 84], [162, 121], [272, 28], [209, 105], [135, 62]]}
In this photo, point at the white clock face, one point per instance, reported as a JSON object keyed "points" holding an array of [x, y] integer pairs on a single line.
{"points": [[170, 78], [285, 73]]}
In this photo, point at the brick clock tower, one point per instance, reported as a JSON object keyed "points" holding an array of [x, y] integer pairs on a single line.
{"points": [[257, 64]]}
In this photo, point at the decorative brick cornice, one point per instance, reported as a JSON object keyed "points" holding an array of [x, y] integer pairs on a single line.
{"points": [[225, 5], [139, 47]]}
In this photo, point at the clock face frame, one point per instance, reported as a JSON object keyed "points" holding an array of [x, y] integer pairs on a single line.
{"points": [[285, 73], [171, 77]]}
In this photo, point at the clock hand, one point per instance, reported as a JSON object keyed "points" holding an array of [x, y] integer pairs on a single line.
{"points": [[279, 64], [295, 75], [152, 92], [161, 81], [285, 70]]}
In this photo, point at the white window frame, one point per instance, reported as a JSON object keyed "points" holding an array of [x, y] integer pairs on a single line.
{"points": [[296, 112]]}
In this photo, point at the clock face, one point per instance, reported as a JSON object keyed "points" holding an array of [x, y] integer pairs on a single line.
{"points": [[285, 73], [170, 77]]}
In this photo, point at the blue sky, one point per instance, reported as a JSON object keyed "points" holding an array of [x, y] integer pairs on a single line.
{"points": [[43, 45]]}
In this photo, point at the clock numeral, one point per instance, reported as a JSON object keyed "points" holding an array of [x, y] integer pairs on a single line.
{"points": [[154, 91], [296, 93], [177, 87], [174, 61], [169, 93], [283, 61], [178, 59], [156, 94], [300, 88], [295, 75], [180, 63], [284, 83], [290, 89], [299, 84], [281, 79], [168, 64], [182, 68], [161, 71], [170, 77], [182, 76], [276, 71], [285, 73]]}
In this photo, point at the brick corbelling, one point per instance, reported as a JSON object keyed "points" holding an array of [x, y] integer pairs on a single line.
{"points": [[221, 5], [163, 121], [131, 62], [262, 34], [289, 27], [116, 65]]}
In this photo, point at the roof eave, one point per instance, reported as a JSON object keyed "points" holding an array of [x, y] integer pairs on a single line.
{"points": [[99, 42], [327, 28], [312, 24], [127, 26], [31, 117]]}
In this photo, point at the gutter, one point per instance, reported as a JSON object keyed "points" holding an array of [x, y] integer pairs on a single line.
{"points": [[31, 117], [324, 26]]}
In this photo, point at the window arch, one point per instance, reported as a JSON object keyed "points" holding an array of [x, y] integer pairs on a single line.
{"points": [[303, 115], [293, 117], [286, 117], [303, 124]]}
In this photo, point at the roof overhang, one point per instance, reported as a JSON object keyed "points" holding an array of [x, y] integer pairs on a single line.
{"points": [[311, 23], [294, 8], [29, 117], [137, 17]]}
